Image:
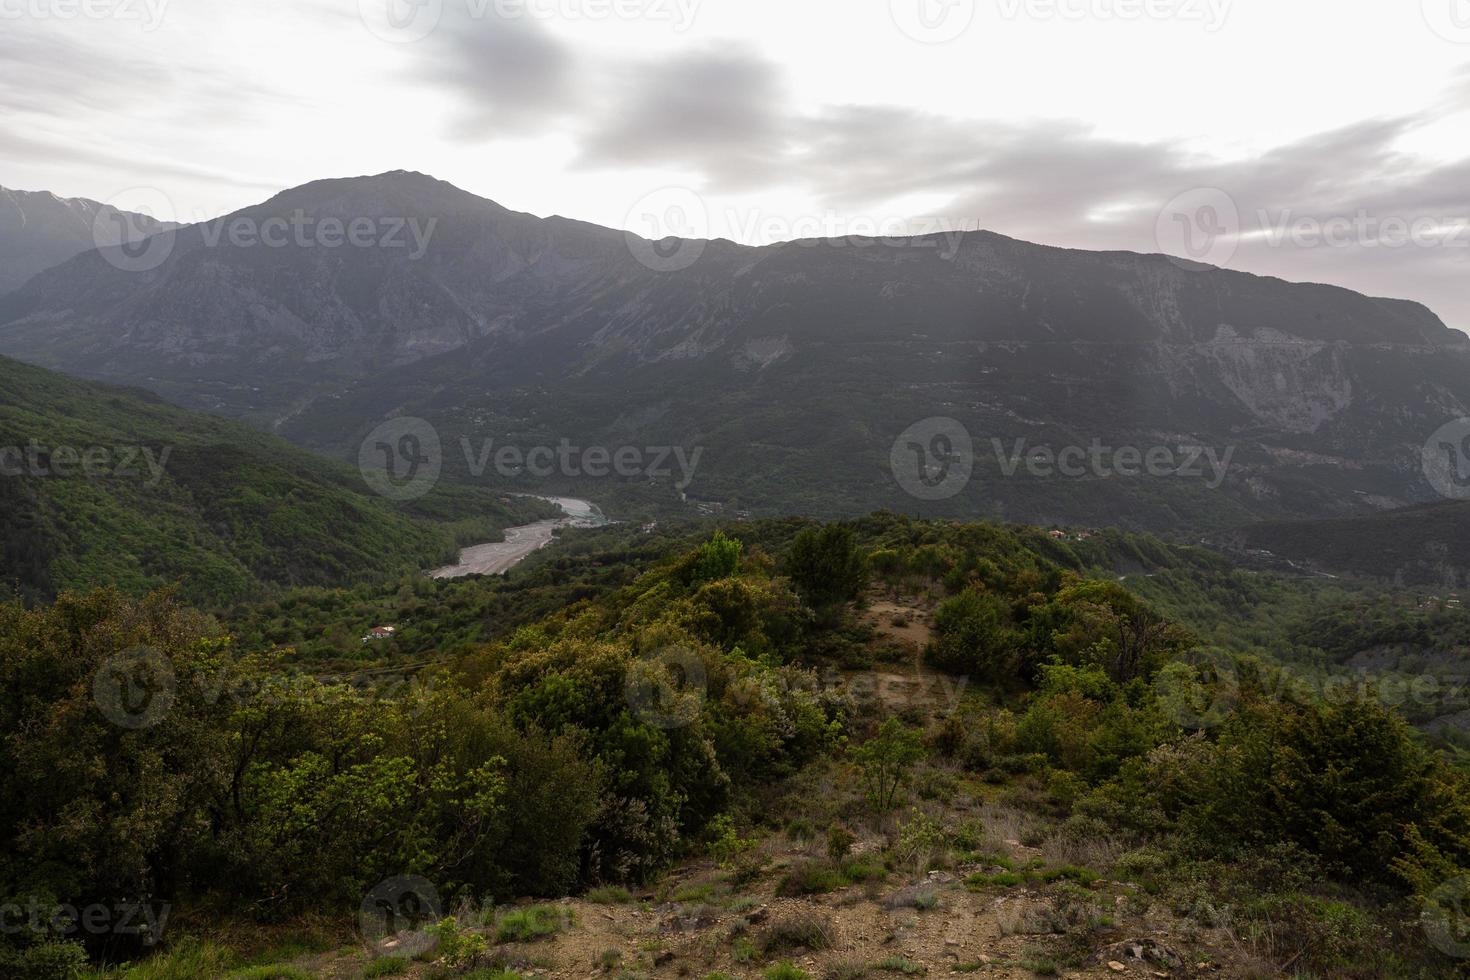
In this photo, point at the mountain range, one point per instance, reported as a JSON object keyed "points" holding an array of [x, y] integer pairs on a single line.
{"points": [[39, 230], [793, 369]]}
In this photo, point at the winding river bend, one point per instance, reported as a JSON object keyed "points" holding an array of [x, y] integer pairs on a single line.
{"points": [[499, 557]]}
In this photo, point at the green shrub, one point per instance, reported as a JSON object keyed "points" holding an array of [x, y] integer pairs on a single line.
{"points": [[972, 638], [610, 895], [718, 558], [529, 924], [457, 948], [811, 878], [726, 844], [886, 760], [797, 932], [839, 841], [385, 966], [44, 961]]}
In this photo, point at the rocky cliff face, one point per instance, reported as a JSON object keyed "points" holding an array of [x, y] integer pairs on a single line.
{"points": [[799, 363], [40, 230]]}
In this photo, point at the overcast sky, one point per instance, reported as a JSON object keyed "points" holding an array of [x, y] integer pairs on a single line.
{"points": [[1310, 139]]}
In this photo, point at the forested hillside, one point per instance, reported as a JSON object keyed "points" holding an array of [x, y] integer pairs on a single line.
{"points": [[101, 485], [753, 752]]}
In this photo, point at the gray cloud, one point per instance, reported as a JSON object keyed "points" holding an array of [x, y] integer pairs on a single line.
{"points": [[722, 116], [715, 111], [49, 74], [510, 75]]}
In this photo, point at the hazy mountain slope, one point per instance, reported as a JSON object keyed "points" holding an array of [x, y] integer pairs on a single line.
{"points": [[39, 230], [1427, 546], [794, 367], [104, 485]]}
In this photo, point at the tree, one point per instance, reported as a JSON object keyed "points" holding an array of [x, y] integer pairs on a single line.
{"points": [[886, 759], [718, 558], [972, 637], [1106, 624], [826, 568]]}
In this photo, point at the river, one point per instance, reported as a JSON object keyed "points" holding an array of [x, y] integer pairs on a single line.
{"points": [[499, 557]]}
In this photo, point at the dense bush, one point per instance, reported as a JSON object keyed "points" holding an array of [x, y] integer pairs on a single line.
{"points": [[972, 637]]}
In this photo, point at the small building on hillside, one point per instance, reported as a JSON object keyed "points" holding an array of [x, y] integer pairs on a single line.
{"points": [[379, 633]]}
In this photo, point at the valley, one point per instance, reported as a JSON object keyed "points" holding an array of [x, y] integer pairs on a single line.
{"points": [[719, 490], [497, 558]]}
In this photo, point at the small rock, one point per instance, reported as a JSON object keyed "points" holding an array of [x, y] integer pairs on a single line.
{"points": [[1116, 967]]}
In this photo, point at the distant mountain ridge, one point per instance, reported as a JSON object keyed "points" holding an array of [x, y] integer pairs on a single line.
{"points": [[39, 230], [795, 365], [1426, 546]]}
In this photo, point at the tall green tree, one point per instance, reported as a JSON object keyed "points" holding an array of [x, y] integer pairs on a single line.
{"points": [[827, 568]]}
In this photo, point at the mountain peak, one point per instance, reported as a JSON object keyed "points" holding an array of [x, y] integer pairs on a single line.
{"points": [[403, 193]]}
